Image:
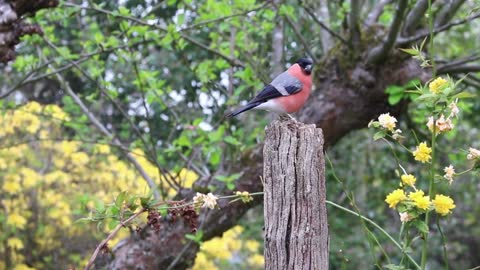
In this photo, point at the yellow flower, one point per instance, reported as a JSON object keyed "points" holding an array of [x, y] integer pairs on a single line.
{"points": [[11, 187], [30, 177], [422, 153], [443, 204], [102, 149], [437, 85], [80, 158], [16, 220], [387, 121], [414, 195], [203, 262], [15, 243], [420, 201], [23, 267], [256, 260], [395, 197], [408, 179], [252, 246]]}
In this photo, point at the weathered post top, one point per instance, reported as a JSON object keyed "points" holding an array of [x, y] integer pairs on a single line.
{"points": [[296, 229]]}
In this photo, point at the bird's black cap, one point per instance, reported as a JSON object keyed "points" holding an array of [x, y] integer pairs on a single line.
{"points": [[305, 64]]}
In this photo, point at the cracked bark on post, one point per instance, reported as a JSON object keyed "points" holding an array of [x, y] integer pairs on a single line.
{"points": [[296, 228]]}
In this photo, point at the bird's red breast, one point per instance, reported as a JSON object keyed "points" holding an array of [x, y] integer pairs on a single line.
{"points": [[294, 102]]}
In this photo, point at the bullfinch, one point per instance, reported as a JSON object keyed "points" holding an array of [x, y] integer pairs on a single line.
{"points": [[286, 93]]}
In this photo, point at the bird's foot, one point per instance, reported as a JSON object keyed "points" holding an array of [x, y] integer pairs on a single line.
{"points": [[287, 117]]}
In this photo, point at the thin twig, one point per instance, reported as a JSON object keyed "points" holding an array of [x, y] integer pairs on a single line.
{"points": [[425, 32], [376, 12], [232, 61], [224, 18], [26, 79], [461, 69], [110, 236], [104, 92], [458, 62], [377, 227], [324, 26], [298, 34], [104, 130]]}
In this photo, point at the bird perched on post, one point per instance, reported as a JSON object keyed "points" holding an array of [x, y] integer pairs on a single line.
{"points": [[286, 93]]}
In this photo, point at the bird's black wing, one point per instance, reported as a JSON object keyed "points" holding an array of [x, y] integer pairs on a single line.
{"points": [[283, 85]]}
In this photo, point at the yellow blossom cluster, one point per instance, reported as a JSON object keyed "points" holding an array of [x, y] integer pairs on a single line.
{"points": [[408, 179], [420, 201], [229, 248], [422, 153], [443, 204], [417, 198], [46, 184], [395, 197], [437, 85]]}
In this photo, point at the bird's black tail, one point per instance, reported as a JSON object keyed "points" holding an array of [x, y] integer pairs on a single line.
{"points": [[247, 107]]}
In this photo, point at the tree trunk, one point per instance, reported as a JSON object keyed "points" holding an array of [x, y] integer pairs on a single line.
{"points": [[296, 229]]}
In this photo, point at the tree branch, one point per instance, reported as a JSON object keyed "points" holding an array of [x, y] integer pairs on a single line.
{"points": [[423, 33], [414, 17], [458, 62], [324, 26], [298, 34], [460, 69], [353, 24], [447, 12], [379, 53], [324, 13], [224, 18], [376, 12], [232, 61], [112, 234], [108, 134]]}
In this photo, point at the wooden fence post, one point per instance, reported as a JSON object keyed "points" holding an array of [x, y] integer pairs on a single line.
{"points": [[296, 229]]}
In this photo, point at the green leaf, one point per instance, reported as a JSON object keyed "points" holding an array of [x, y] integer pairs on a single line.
{"points": [[113, 210], [379, 135], [83, 220], [120, 199], [421, 226], [145, 201], [464, 95], [99, 206], [197, 237], [231, 140], [183, 140], [394, 99], [231, 186], [215, 157], [123, 11], [394, 89], [411, 51], [112, 224], [287, 10]]}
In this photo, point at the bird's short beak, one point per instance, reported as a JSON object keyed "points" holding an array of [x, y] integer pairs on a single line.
{"points": [[308, 69]]}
